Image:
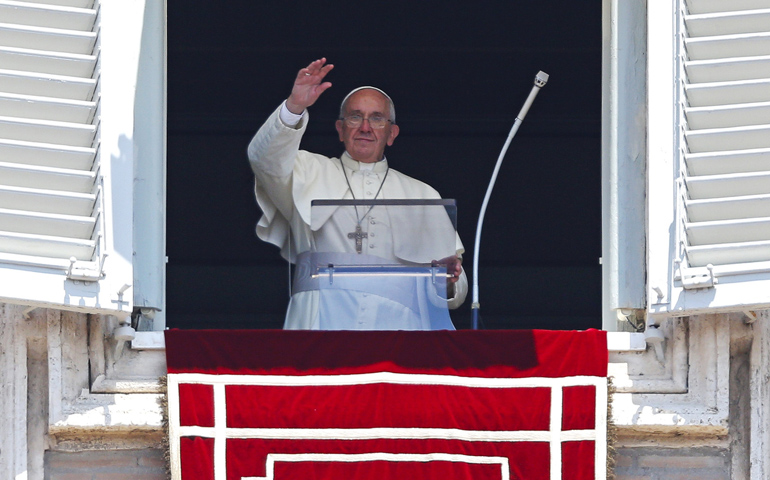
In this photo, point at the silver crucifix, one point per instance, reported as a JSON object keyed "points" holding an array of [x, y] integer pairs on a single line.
{"points": [[359, 235]]}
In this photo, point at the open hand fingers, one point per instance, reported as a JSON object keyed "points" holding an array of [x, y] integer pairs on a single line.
{"points": [[315, 72], [308, 85]]}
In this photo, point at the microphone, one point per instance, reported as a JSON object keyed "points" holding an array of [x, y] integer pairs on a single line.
{"points": [[540, 80]]}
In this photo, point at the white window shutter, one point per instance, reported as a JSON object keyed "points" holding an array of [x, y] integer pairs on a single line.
{"points": [[67, 91], [719, 253]]}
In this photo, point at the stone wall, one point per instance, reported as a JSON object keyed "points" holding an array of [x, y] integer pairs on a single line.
{"points": [[644, 463], [142, 464], [78, 403]]}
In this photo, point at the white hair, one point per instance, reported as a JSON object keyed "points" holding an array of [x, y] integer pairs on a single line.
{"points": [[367, 87]]}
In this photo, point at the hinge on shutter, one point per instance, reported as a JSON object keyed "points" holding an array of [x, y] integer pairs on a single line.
{"points": [[86, 271], [695, 278]]}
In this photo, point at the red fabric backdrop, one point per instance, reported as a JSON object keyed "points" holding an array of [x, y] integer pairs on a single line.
{"points": [[387, 405]]}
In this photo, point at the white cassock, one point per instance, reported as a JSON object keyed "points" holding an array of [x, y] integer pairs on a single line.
{"points": [[287, 180]]}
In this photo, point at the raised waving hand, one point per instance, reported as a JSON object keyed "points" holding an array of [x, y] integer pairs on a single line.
{"points": [[308, 86]]}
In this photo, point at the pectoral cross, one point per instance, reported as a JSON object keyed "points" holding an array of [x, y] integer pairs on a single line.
{"points": [[359, 235]]}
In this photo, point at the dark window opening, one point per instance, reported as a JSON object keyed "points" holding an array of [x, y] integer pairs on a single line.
{"points": [[458, 73]]}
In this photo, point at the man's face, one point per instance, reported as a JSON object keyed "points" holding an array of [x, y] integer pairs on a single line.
{"points": [[364, 143]]}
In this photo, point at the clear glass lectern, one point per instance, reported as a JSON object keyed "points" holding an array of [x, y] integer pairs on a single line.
{"points": [[381, 264]]}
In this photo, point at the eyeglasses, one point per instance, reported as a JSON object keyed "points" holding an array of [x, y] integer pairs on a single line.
{"points": [[375, 121]]}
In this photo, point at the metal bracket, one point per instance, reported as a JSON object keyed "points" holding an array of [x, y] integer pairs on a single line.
{"points": [[84, 271], [659, 293], [693, 279], [433, 269]]}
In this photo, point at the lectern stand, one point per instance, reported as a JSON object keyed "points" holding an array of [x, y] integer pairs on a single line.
{"points": [[380, 264]]}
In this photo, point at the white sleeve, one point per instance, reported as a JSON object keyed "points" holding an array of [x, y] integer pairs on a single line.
{"points": [[289, 118]]}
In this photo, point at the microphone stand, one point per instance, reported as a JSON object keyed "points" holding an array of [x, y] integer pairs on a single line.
{"points": [[540, 80]]}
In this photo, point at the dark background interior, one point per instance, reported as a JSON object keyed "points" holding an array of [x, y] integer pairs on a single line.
{"points": [[458, 72]]}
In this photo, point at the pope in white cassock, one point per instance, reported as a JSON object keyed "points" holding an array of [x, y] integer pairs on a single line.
{"points": [[289, 179]]}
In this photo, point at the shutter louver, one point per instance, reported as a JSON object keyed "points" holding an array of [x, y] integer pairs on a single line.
{"points": [[725, 182], [49, 176]]}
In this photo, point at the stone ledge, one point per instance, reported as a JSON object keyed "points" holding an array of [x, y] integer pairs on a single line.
{"points": [[126, 386], [626, 342], [109, 421], [148, 341], [110, 411], [616, 341], [107, 439]]}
